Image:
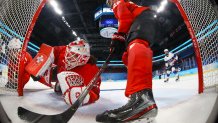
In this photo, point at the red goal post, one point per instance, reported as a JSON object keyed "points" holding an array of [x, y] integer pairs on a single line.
{"points": [[200, 18], [17, 19]]}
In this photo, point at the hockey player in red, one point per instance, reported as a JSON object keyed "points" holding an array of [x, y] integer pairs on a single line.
{"points": [[75, 69], [136, 30]]}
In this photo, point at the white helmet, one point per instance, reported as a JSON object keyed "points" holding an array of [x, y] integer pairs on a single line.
{"points": [[110, 3], [77, 54], [14, 44], [166, 50]]}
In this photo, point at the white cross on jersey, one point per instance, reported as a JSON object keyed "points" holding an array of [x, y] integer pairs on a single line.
{"points": [[39, 59]]}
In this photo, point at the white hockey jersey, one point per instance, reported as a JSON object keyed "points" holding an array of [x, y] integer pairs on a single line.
{"points": [[170, 59]]}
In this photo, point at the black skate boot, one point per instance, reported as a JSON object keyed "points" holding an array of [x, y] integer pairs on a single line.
{"points": [[57, 88], [166, 80], [177, 78], [140, 105]]}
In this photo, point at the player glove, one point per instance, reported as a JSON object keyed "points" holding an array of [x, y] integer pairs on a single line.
{"points": [[117, 45]]}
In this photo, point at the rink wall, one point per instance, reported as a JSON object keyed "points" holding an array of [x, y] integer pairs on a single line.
{"points": [[113, 76], [206, 68], [123, 75]]}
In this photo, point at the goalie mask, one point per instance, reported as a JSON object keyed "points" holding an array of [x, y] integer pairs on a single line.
{"points": [[77, 54]]}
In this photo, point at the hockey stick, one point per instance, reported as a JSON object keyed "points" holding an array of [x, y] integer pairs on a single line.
{"points": [[65, 116]]}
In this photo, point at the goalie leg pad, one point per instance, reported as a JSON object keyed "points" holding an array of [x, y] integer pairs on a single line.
{"points": [[42, 61], [73, 93]]}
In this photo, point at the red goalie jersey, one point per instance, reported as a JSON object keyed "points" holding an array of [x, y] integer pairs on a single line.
{"points": [[75, 69]]}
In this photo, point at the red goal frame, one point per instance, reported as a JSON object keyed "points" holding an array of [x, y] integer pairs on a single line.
{"points": [[24, 47], [195, 45]]}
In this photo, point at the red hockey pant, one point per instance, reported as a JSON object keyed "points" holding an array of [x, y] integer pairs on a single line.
{"points": [[139, 74]]}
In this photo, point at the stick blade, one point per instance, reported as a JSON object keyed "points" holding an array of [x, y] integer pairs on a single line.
{"points": [[33, 117], [27, 115]]}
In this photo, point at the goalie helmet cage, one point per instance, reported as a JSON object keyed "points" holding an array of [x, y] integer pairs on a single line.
{"points": [[17, 19]]}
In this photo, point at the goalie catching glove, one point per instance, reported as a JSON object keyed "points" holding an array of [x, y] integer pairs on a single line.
{"points": [[72, 86]]}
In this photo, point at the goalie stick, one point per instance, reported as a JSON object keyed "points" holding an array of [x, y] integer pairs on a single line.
{"points": [[65, 116]]}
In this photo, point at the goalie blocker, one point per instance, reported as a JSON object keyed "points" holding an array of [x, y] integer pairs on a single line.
{"points": [[40, 67]]}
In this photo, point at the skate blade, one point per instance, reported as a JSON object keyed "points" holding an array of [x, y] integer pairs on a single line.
{"points": [[145, 120], [149, 117]]}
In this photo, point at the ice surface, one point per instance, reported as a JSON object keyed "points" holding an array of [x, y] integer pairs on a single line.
{"points": [[178, 102]]}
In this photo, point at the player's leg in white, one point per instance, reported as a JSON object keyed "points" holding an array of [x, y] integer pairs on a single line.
{"points": [[175, 71], [167, 76]]}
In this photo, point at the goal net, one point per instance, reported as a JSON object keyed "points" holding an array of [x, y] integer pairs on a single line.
{"points": [[17, 19], [201, 20], [202, 16]]}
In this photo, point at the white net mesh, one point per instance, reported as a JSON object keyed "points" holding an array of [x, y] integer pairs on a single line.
{"points": [[203, 19], [15, 18]]}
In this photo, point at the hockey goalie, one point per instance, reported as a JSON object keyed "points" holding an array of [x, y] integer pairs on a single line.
{"points": [[71, 65]]}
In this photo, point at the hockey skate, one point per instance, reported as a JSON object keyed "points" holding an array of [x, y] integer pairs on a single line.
{"points": [[57, 88], [177, 78], [166, 80], [140, 105]]}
